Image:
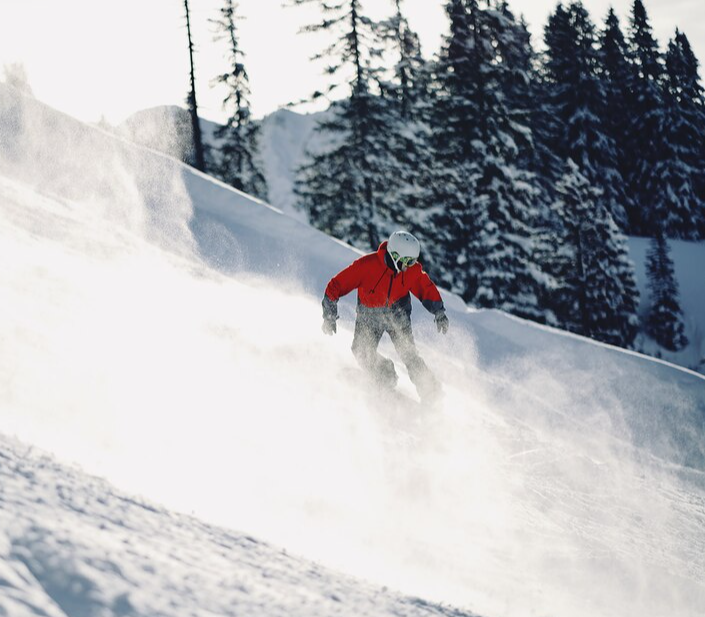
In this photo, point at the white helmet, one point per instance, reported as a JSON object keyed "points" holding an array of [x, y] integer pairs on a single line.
{"points": [[404, 249]]}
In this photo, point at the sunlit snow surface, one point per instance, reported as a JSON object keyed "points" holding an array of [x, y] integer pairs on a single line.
{"points": [[83, 548], [163, 331]]}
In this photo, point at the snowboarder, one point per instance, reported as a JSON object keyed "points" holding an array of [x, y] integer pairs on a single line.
{"points": [[383, 280]]}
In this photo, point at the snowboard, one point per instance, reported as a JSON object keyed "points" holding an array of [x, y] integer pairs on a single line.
{"points": [[384, 396]]}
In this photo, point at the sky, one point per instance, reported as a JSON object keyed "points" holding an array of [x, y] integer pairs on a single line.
{"points": [[98, 59]]}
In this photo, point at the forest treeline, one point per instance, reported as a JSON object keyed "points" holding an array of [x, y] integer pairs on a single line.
{"points": [[521, 171]]}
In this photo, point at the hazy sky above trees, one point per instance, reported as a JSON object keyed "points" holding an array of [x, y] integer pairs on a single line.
{"points": [[96, 59]]}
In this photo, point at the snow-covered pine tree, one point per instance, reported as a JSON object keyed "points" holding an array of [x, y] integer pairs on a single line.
{"points": [[664, 320], [692, 104], [692, 99], [671, 197], [455, 120], [615, 75], [674, 185], [514, 48], [510, 278], [459, 100], [505, 248], [343, 188], [564, 259], [545, 124], [237, 151], [522, 92], [526, 95], [492, 260], [577, 99], [406, 91], [595, 292], [646, 108], [545, 162], [411, 72]]}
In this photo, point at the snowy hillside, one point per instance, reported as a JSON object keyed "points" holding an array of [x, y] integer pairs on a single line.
{"points": [[82, 548], [287, 135], [285, 138], [163, 331], [166, 129]]}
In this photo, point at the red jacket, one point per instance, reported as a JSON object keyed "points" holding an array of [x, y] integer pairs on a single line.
{"points": [[380, 286]]}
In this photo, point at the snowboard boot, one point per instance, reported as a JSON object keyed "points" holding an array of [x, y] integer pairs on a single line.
{"points": [[428, 388], [385, 375]]}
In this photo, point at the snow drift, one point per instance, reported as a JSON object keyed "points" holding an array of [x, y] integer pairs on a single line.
{"points": [[163, 331]]}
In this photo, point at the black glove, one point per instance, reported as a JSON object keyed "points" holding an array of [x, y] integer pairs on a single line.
{"points": [[330, 316], [441, 321]]}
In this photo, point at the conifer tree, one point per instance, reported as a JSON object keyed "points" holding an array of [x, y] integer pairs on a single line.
{"points": [[577, 100], [685, 80], [410, 75], [459, 83], [595, 292], [520, 87], [455, 118], [405, 92], [510, 278], [545, 162], [646, 106], [615, 74], [674, 185], [670, 190], [546, 125], [513, 42], [491, 217], [343, 188], [526, 95], [197, 140], [664, 321], [237, 162]]}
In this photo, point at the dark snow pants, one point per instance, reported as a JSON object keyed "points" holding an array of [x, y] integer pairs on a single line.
{"points": [[370, 326]]}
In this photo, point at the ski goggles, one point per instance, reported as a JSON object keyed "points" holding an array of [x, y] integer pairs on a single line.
{"points": [[404, 262]]}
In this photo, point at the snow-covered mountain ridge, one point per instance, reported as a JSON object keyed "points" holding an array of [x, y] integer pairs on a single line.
{"points": [[165, 334]]}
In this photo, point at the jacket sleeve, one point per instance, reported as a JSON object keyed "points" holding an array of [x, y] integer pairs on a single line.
{"points": [[340, 285], [425, 290]]}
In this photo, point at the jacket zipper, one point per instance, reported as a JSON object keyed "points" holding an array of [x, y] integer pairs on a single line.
{"points": [[391, 282], [378, 282]]}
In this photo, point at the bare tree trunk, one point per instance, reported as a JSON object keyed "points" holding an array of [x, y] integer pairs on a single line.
{"points": [[200, 162]]}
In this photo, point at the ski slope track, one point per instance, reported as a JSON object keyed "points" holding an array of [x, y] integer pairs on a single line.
{"points": [[161, 331]]}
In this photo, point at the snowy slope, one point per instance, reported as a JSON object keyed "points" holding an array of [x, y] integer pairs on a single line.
{"points": [[287, 137], [167, 129], [82, 548], [285, 140], [165, 334]]}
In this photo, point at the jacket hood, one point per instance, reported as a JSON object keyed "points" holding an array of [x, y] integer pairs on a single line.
{"points": [[384, 257]]}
